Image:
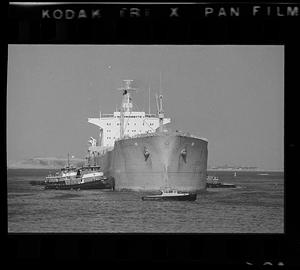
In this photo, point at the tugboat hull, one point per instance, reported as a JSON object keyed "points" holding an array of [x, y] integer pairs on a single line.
{"points": [[98, 184], [220, 185], [190, 197]]}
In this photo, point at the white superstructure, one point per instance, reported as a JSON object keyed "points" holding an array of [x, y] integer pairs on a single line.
{"points": [[126, 122]]}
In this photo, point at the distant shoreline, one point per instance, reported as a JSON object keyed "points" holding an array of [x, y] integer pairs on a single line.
{"points": [[53, 163], [58, 168], [32, 168], [237, 171]]}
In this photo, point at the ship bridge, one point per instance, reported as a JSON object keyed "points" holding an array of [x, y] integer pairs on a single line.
{"points": [[135, 123], [125, 122]]}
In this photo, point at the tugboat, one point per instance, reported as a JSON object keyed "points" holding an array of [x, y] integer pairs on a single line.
{"points": [[214, 182], [66, 172], [171, 195], [87, 177]]}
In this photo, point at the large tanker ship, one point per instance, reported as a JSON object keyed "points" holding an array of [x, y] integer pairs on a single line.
{"points": [[140, 153]]}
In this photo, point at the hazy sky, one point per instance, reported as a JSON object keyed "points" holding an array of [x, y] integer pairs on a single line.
{"points": [[231, 95]]}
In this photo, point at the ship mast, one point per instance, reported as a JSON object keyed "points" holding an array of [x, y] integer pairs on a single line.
{"points": [[149, 101], [159, 106], [68, 164], [100, 140], [126, 106]]}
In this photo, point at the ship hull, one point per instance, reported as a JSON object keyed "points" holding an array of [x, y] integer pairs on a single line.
{"points": [[157, 161]]}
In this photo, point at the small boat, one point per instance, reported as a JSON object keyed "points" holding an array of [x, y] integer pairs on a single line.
{"points": [[59, 176], [214, 182], [87, 177], [66, 173], [171, 195], [227, 185]]}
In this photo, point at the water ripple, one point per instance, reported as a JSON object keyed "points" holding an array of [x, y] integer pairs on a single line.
{"points": [[257, 207]]}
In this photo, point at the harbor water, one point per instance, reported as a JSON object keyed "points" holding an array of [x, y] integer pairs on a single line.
{"points": [[256, 206]]}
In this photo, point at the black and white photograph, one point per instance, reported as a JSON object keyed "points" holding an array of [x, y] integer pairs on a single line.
{"points": [[151, 132], [145, 138]]}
